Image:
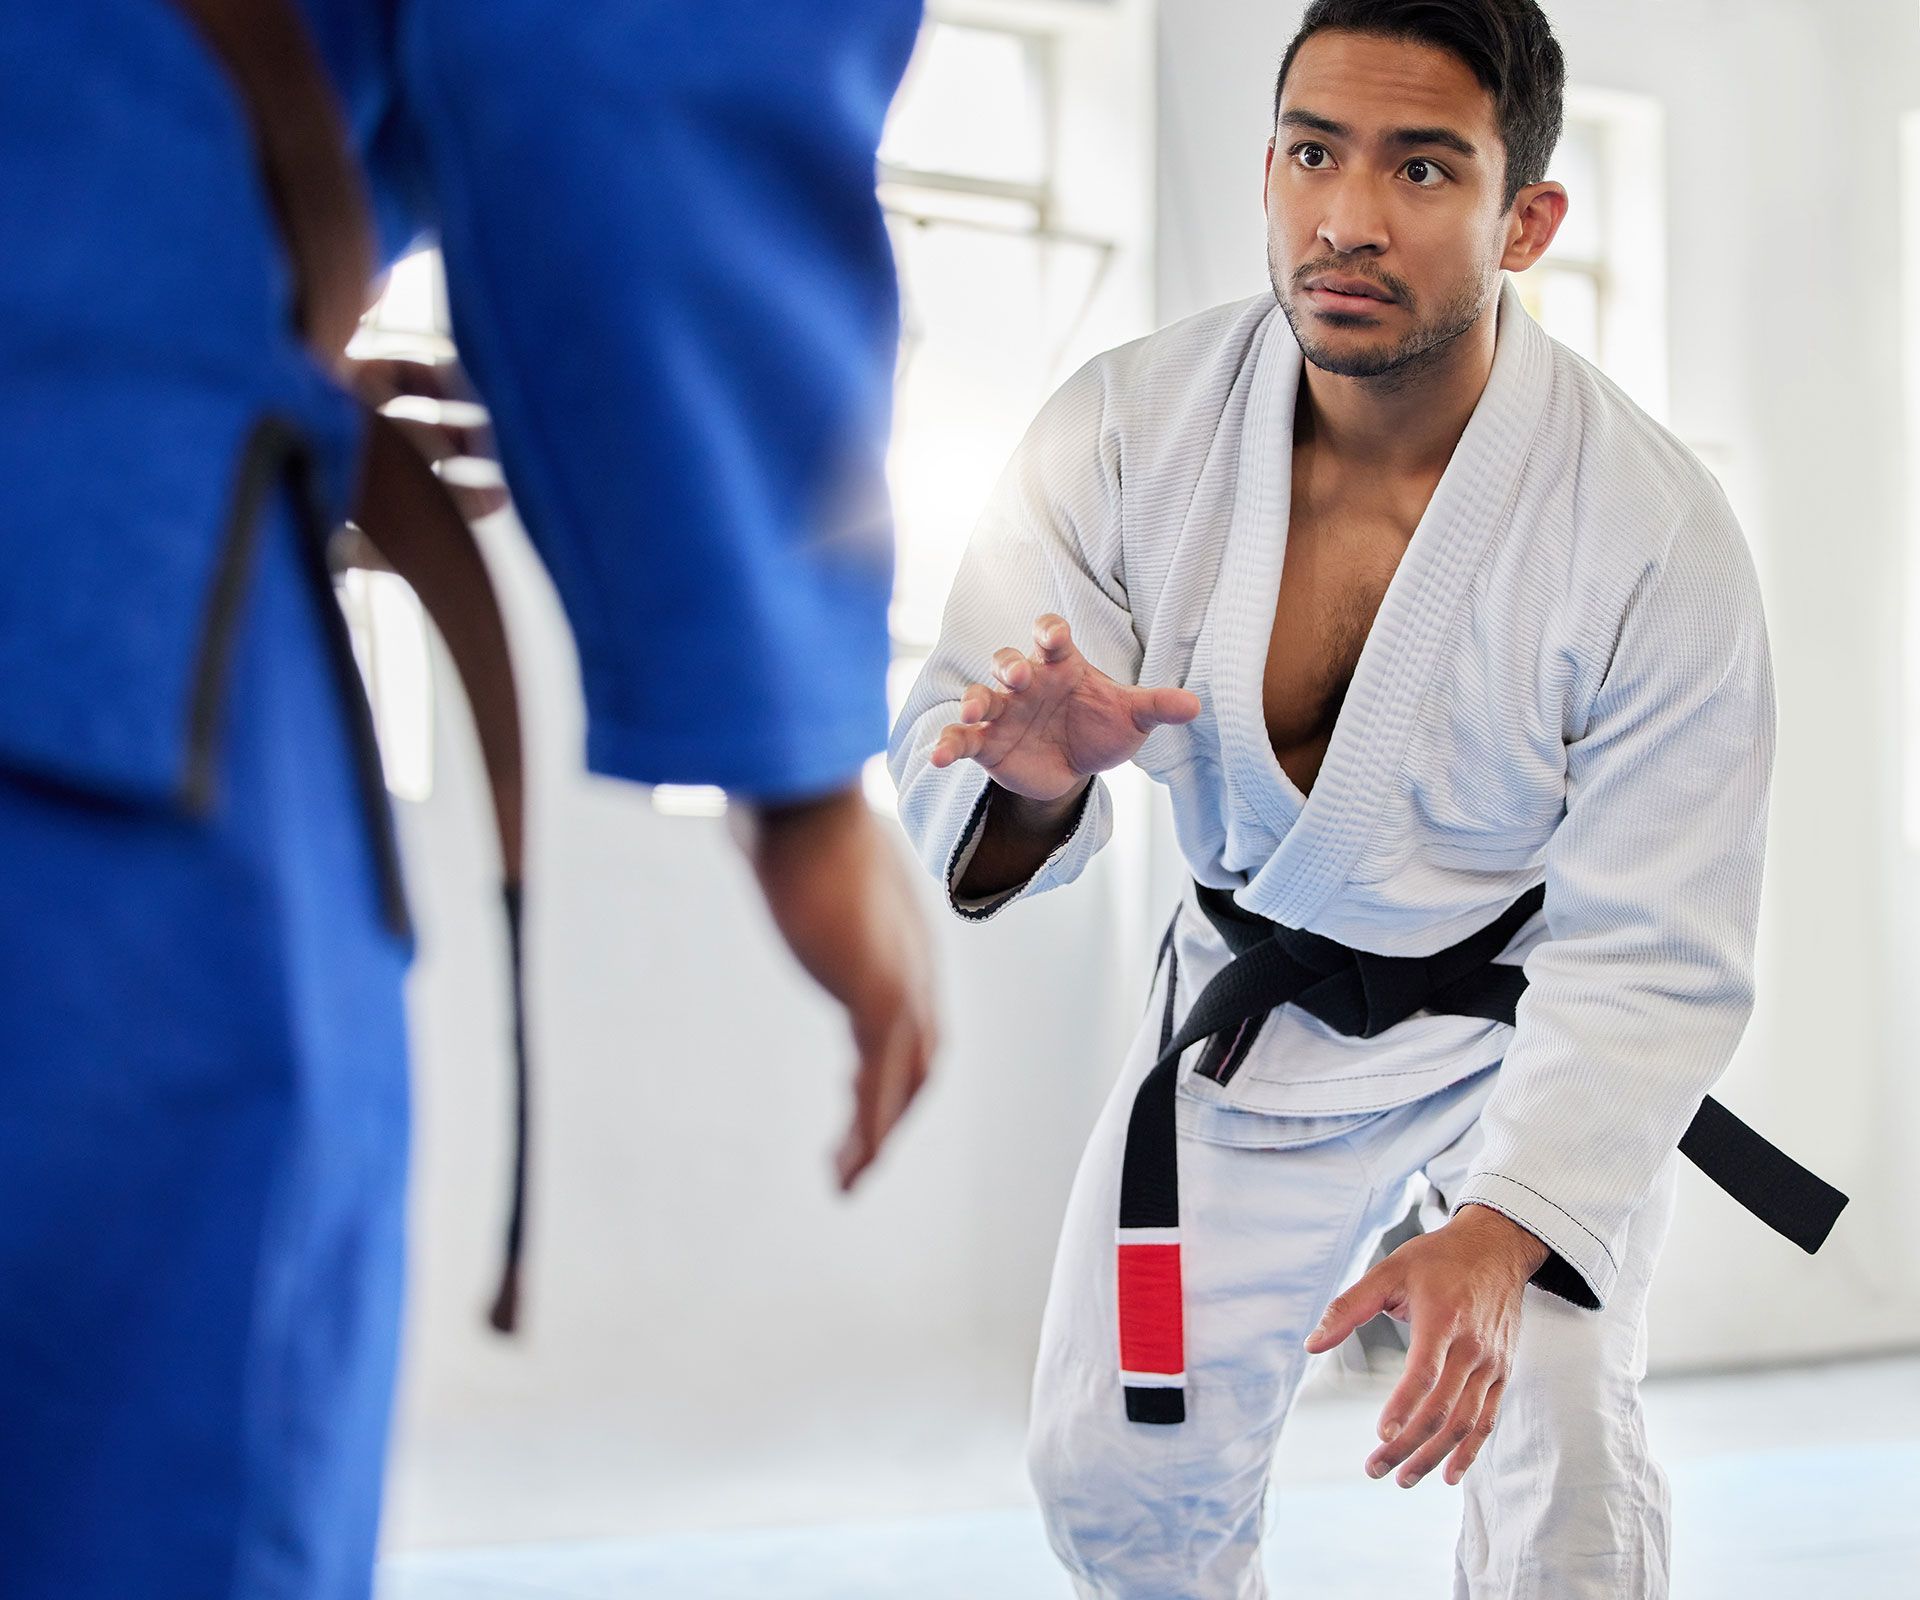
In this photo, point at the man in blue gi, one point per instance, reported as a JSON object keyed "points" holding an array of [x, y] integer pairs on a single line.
{"points": [[671, 286]]}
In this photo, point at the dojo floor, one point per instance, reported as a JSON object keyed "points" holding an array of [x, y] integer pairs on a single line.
{"points": [[1790, 1483]]}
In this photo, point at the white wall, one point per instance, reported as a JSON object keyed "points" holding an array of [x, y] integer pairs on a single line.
{"points": [[699, 1299], [1784, 312]]}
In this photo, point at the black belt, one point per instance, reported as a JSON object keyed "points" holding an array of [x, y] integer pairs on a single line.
{"points": [[1359, 993]]}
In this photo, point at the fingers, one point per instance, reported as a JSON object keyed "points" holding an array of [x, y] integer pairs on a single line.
{"points": [[958, 742], [1052, 638], [1478, 1434], [386, 378], [480, 495], [1052, 643], [884, 1085], [1013, 669], [430, 402], [1442, 1422], [853, 1157], [1427, 1359], [1153, 708], [981, 704], [442, 440], [457, 438], [1366, 1299], [462, 459], [862, 1141]]}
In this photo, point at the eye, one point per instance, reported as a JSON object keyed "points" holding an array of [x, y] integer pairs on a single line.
{"points": [[1308, 155], [1421, 170]]}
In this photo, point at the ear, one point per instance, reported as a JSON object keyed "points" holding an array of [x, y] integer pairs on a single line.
{"points": [[1538, 211], [1266, 178]]}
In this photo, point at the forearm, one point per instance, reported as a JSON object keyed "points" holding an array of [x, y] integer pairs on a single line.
{"points": [[1017, 835], [830, 880], [797, 847]]}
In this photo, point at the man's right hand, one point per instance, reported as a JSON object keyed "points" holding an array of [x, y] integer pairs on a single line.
{"points": [[840, 895], [1052, 718]]}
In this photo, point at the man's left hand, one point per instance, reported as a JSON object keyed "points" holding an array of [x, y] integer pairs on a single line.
{"points": [[1459, 1289], [432, 403]]}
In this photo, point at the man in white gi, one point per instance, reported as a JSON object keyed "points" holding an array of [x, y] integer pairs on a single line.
{"points": [[1435, 620]]}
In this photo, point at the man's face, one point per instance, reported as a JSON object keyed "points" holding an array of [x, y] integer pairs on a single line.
{"points": [[1385, 177]]}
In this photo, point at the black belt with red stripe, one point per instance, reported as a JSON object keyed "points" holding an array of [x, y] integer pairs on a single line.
{"points": [[1359, 993]]}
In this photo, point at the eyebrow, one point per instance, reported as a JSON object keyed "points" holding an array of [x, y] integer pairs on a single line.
{"points": [[1446, 138]]}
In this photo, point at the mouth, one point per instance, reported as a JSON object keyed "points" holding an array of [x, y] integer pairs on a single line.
{"points": [[1333, 292]]}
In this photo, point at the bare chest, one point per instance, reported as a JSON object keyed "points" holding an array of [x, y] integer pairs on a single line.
{"points": [[1340, 558]]}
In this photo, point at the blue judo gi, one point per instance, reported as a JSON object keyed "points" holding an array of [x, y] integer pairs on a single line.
{"points": [[671, 285]]}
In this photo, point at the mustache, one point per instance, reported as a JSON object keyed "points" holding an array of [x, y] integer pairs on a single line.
{"points": [[1394, 285]]}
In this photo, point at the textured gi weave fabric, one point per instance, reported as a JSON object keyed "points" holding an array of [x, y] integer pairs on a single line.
{"points": [[1567, 681]]}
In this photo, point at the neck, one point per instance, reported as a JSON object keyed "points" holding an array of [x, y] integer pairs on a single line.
{"points": [[1399, 422]]}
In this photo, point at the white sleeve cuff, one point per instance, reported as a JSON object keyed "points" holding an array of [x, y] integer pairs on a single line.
{"points": [[1092, 824]]}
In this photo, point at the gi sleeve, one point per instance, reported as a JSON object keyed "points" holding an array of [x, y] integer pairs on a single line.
{"points": [[1641, 990], [1050, 540], [671, 284]]}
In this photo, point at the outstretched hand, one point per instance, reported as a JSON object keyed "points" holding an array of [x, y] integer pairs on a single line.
{"points": [[1460, 1290], [1052, 718]]}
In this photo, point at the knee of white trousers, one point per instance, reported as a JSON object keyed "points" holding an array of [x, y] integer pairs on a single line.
{"points": [[1138, 1511], [1098, 1498]]}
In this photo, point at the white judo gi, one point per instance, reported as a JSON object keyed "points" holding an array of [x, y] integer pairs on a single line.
{"points": [[1567, 681]]}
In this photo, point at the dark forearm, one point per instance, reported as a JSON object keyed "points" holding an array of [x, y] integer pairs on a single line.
{"points": [[1017, 835]]}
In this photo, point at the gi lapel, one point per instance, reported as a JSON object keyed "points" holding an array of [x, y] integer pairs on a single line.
{"points": [[1320, 837]]}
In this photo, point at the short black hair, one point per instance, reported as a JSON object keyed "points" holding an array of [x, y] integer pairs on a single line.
{"points": [[1507, 44]]}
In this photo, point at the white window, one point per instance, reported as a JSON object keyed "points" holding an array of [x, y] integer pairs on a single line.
{"points": [[1016, 174]]}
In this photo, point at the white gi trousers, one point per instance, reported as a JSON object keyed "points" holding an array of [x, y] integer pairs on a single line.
{"points": [[1563, 1502]]}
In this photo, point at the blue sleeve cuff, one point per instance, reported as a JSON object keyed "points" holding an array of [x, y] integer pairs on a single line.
{"points": [[785, 762]]}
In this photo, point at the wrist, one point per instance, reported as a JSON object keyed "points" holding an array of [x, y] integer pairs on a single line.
{"points": [[1038, 816], [1527, 1251], [755, 824]]}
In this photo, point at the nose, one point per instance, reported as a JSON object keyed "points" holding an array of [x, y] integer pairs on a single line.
{"points": [[1355, 221]]}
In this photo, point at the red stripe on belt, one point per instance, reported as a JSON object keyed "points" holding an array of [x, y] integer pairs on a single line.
{"points": [[1152, 1330]]}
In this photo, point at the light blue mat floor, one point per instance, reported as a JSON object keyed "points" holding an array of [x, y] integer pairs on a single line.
{"points": [[1755, 1524]]}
